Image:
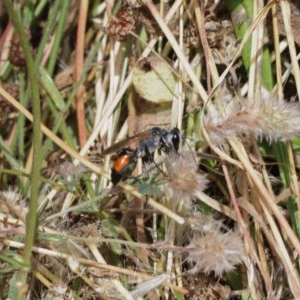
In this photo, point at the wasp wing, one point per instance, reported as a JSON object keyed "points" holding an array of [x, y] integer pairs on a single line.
{"points": [[125, 143]]}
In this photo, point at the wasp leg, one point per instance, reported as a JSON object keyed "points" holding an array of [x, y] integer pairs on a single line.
{"points": [[149, 158]]}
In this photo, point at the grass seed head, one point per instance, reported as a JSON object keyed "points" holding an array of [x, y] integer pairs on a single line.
{"points": [[264, 118], [184, 181], [216, 251]]}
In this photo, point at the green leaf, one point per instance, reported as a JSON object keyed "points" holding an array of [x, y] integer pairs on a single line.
{"points": [[116, 248], [108, 229], [14, 262], [51, 237], [13, 289], [51, 89]]}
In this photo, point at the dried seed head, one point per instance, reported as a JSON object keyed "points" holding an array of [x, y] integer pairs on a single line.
{"points": [[16, 54], [184, 181], [277, 120], [215, 251], [265, 118], [64, 169], [191, 36], [121, 25]]}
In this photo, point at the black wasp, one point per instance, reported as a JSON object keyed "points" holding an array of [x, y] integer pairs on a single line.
{"points": [[154, 139]]}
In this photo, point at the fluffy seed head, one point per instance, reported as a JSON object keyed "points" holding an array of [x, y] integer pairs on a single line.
{"points": [[215, 252], [264, 118], [184, 181]]}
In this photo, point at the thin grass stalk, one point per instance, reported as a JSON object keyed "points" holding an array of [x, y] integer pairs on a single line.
{"points": [[20, 136], [211, 67], [113, 83], [101, 84], [27, 169], [240, 23], [32, 217], [10, 158], [266, 76], [267, 71], [40, 6], [250, 197], [79, 58], [42, 278], [254, 78], [5, 40], [178, 103], [294, 185], [47, 32], [277, 54], [58, 35]]}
